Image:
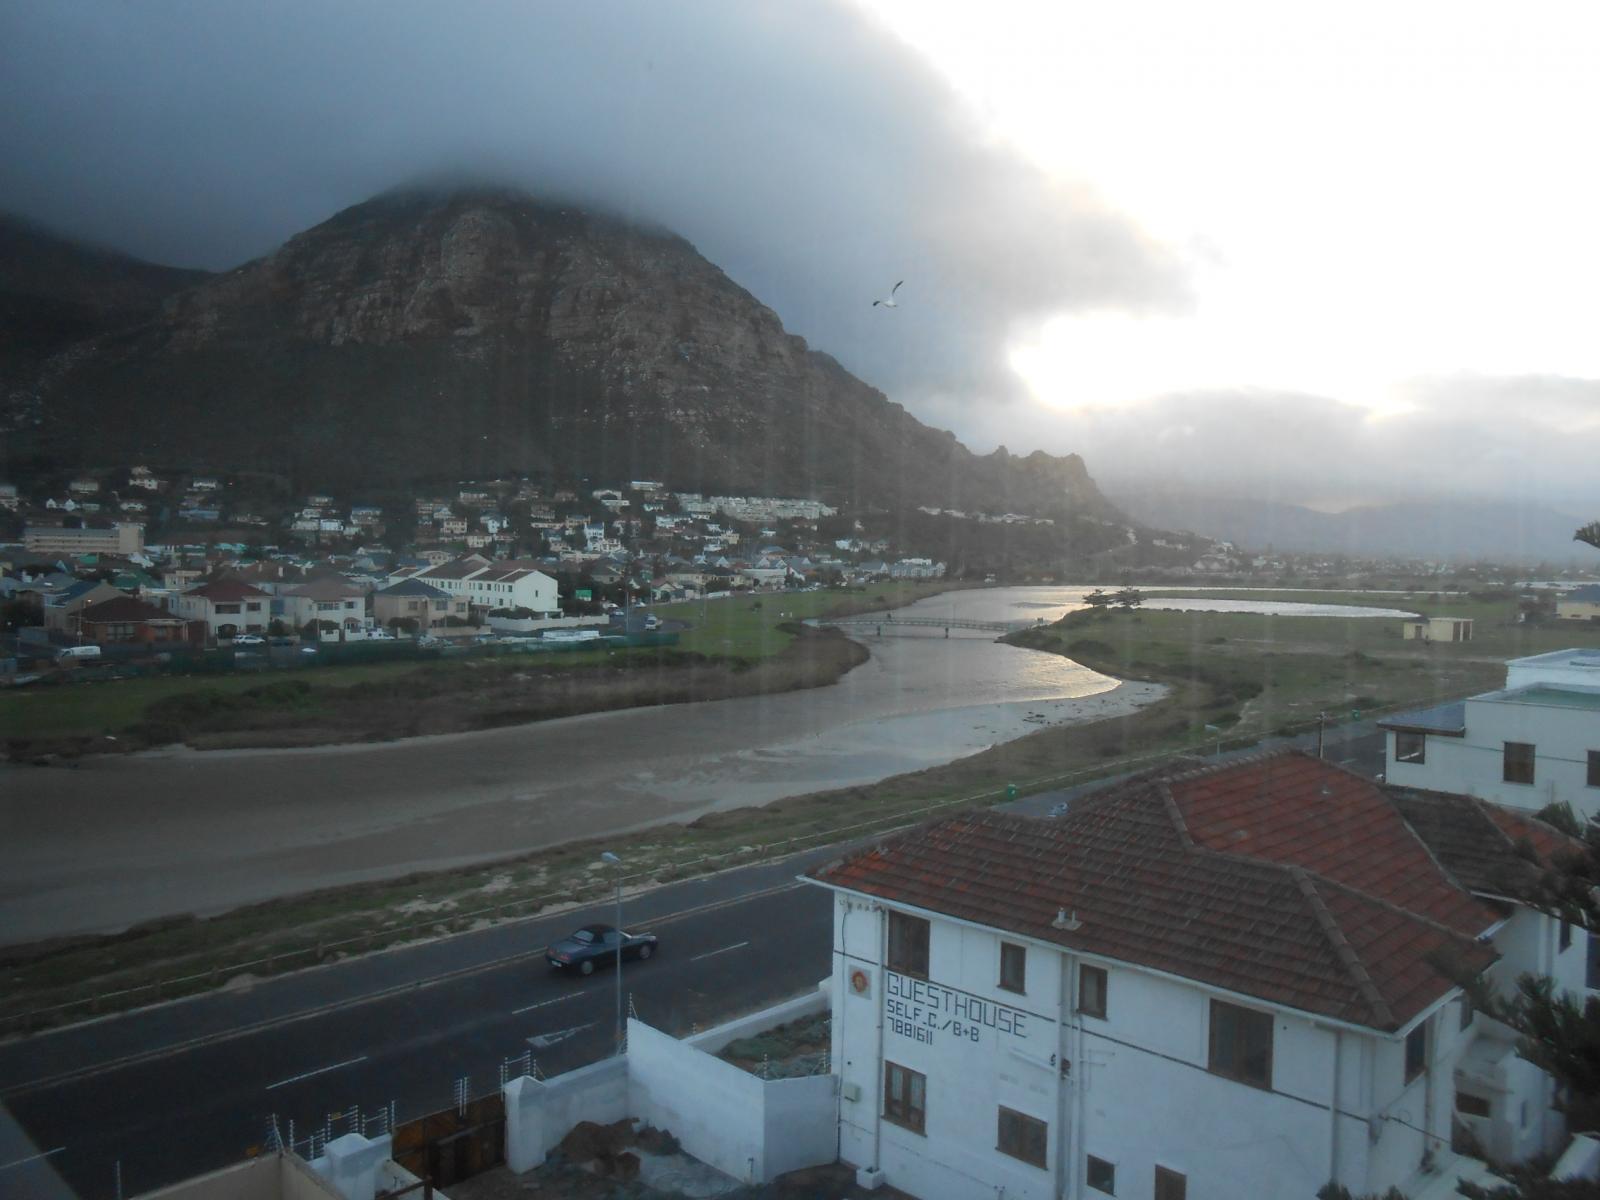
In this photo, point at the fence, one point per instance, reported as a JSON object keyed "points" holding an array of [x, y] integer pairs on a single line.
{"points": [[94, 1004]]}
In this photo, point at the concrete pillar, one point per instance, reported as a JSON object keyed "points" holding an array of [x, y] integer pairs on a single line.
{"points": [[350, 1165], [525, 1148]]}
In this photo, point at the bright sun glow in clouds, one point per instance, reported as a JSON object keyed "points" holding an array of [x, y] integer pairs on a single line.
{"points": [[1364, 193]]}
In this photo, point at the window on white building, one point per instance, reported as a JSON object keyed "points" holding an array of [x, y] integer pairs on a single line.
{"points": [[1171, 1185], [1101, 1175], [1564, 938], [1416, 1051], [1410, 747], [1092, 991], [1467, 1012], [1594, 768], [908, 945], [905, 1097], [1241, 1044], [1022, 1136], [1470, 1105], [1518, 763], [1013, 967]]}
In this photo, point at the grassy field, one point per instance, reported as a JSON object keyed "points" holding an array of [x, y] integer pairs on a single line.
{"points": [[745, 629], [114, 705], [1283, 669], [748, 627]]}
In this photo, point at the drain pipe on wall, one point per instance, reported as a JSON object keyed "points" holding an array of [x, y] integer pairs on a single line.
{"points": [[1333, 1129], [1065, 1139], [882, 1003]]}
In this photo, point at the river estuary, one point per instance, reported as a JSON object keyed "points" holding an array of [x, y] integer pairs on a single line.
{"points": [[120, 839]]}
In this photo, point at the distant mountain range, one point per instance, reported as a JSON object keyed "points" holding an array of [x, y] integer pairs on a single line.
{"points": [[1439, 530], [429, 336]]}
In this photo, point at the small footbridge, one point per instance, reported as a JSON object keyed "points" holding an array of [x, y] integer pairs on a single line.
{"points": [[885, 624]]}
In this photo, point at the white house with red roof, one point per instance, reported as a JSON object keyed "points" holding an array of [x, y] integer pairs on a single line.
{"points": [[227, 606], [1237, 981]]}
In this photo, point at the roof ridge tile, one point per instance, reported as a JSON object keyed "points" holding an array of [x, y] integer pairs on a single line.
{"points": [[1164, 790], [1346, 953]]}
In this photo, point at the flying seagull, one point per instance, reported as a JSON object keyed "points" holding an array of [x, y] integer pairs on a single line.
{"points": [[889, 301]]}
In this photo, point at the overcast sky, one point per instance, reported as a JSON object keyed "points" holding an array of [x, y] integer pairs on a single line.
{"points": [[1332, 255]]}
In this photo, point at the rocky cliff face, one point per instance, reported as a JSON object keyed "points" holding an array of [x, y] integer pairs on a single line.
{"points": [[428, 337]]}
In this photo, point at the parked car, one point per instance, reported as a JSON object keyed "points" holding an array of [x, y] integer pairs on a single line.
{"points": [[379, 635], [249, 639], [308, 649], [596, 946]]}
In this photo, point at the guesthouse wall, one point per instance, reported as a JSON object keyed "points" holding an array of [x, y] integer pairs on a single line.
{"points": [[1133, 1089]]}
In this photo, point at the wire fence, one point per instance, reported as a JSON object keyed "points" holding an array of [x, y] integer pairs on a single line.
{"points": [[92, 1004]]}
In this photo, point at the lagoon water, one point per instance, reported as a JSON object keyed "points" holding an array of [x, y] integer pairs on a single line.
{"points": [[121, 839]]}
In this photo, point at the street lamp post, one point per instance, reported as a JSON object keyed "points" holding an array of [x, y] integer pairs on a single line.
{"points": [[616, 872]]}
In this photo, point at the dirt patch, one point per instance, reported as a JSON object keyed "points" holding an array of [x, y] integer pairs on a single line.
{"points": [[835, 1181], [794, 1049]]}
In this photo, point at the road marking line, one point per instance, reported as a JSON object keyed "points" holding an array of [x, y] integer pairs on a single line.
{"points": [[319, 1071], [713, 953], [7, 1091], [17, 1162], [544, 1041], [517, 1012]]}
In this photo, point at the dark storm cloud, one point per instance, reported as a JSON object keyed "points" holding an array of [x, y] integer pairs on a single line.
{"points": [[801, 148], [1531, 437]]}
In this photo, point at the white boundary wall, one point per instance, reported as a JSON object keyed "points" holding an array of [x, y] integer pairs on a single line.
{"points": [[749, 1128], [540, 1112]]}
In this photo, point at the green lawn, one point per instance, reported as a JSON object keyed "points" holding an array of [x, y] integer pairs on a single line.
{"points": [[747, 626], [1284, 669], [113, 705], [743, 627]]}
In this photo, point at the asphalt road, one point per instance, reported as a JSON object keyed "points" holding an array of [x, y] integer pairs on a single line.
{"points": [[177, 1089], [188, 1087]]}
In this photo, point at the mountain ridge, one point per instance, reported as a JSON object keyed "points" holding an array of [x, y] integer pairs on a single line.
{"points": [[428, 335], [1455, 530]]}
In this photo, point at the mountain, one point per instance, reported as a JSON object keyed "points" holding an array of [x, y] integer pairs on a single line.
{"points": [[55, 293], [1437, 531], [425, 336]]}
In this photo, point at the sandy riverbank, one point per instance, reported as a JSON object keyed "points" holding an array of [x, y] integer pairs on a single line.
{"points": [[118, 840]]}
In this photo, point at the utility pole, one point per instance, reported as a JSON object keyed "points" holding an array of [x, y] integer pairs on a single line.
{"points": [[1321, 717], [616, 872]]}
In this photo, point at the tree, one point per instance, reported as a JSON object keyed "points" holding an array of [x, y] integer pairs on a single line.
{"points": [[1528, 1184], [1589, 535], [1129, 598]]}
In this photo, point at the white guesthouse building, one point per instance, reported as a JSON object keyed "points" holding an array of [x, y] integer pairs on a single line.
{"points": [[1200, 986], [1533, 743], [491, 585]]}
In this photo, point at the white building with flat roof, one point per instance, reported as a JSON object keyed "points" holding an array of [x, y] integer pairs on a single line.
{"points": [[1532, 743]]}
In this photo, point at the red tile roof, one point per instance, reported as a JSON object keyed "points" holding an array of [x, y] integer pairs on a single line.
{"points": [[1299, 811], [226, 591], [1493, 851], [1205, 875], [336, 588], [123, 610]]}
